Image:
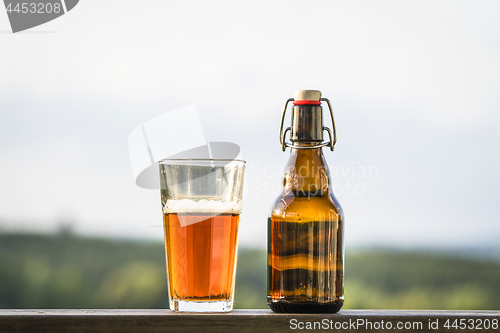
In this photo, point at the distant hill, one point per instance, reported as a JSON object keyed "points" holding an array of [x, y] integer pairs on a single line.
{"points": [[64, 271]]}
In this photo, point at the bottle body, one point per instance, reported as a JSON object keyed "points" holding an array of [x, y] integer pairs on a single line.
{"points": [[305, 239]]}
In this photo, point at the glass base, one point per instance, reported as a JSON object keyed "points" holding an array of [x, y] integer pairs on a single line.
{"points": [[283, 306], [205, 306]]}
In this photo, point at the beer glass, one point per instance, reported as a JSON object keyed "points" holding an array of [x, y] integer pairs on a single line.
{"points": [[201, 201]]}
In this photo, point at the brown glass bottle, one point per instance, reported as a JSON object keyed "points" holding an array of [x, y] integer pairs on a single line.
{"points": [[305, 232]]}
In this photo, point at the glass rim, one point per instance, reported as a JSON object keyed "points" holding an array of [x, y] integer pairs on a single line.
{"points": [[166, 160]]}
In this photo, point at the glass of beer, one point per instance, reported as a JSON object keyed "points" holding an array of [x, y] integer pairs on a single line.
{"points": [[201, 201]]}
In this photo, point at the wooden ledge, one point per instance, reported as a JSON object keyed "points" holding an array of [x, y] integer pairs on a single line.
{"points": [[261, 321]]}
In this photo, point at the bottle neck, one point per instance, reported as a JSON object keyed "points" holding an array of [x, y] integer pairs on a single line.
{"points": [[307, 174], [307, 124]]}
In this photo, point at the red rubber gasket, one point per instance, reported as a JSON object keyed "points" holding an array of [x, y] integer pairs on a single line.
{"points": [[306, 102]]}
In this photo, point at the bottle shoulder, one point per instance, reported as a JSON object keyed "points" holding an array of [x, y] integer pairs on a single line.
{"points": [[304, 209]]}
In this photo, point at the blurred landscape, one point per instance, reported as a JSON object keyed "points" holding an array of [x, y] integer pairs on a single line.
{"points": [[66, 271]]}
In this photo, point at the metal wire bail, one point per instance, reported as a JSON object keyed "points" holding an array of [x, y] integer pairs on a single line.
{"points": [[333, 136]]}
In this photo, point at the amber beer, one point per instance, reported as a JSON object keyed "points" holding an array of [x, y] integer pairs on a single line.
{"points": [[202, 251], [313, 254]]}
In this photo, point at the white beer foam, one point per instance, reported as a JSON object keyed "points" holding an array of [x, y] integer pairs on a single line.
{"points": [[202, 206]]}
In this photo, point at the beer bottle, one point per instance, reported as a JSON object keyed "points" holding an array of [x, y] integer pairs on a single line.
{"points": [[305, 226]]}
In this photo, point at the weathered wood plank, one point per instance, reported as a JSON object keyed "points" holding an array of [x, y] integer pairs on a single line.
{"points": [[261, 321]]}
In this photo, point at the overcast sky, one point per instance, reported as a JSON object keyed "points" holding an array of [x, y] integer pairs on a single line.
{"points": [[414, 86]]}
